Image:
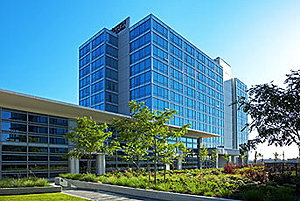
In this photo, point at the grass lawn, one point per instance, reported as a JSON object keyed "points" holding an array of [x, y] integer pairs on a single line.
{"points": [[41, 197]]}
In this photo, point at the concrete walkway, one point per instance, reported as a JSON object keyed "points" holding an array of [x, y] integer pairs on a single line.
{"points": [[103, 195]]}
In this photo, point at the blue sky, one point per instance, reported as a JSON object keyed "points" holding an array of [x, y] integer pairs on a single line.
{"points": [[40, 39]]}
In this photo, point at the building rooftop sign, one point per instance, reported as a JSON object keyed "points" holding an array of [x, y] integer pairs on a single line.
{"points": [[123, 25]]}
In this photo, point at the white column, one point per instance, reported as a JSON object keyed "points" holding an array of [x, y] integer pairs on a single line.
{"points": [[179, 164], [217, 161], [71, 165], [100, 163], [76, 165], [167, 166]]}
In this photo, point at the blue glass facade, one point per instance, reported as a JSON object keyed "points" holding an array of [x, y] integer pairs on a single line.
{"points": [[242, 117], [98, 72], [167, 71], [164, 70]]}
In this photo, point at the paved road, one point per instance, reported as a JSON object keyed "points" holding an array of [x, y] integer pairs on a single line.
{"points": [[103, 195]]}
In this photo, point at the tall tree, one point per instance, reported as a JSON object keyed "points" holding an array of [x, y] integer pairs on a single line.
{"points": [[88, 138], [275, 112], [203, 154], [147, 129]]}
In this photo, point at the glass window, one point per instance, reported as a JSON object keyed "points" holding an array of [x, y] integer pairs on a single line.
{"points": [[160, 105], [140, 67], [99, 51], [110, 97], [97, 87], [111, 62], [160, 92], [111, 74], [160, 54], [13, 137], [37, 119], [83, 51], [111, 51], [84, 82], [160, 29], [97, 98], [98, 40], [140, 42], [57, 131], [98, 75], [85, 71], [160, 66], [98, 64], [111, 108], [37, 129], [139, 30], [111, 86], [58, 140], [160, 41], [37, 139], [13, 116], [84, 61], [59, 122], [13, 127], [189, 49], [140, 79], [175, 39], [140, 92], [38, 149], [176, 63], [160, 79], [14, 148], [112, 39], [142, 53], [175, 51]]}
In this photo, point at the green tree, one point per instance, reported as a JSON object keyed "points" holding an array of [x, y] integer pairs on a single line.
{"points": [[147, 129], [88, 138], [203, 155], [226, 158], [275, 112], [213, 156], [276, 155]]}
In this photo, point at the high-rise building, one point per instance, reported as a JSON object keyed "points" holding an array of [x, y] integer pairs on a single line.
{"points": [[151, 62]]}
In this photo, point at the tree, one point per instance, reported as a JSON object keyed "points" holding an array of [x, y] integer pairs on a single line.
{"points": [[276, 155], [275, 112], [89, 138], [255, 157], [147, 129], [226, 158], [203, 154], [213, 156]]}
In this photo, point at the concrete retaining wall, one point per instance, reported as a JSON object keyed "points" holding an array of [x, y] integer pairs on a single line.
{"points": [[153, 194], [29, 190]]}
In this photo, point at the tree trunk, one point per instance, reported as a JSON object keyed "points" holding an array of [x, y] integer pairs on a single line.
{"points": [[90, 163], [165, 172], [149, 170], [154, 157]]}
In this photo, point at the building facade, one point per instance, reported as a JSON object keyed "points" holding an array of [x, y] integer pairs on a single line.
{"points": [[160, 67], [32, 131], [166, 71]]}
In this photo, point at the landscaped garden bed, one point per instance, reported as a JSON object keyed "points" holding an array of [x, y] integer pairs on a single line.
{"points": [[248, 183], [11, 186]]}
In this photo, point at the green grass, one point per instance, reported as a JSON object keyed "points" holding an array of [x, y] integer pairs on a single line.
{"points": [[41, 197], [23, 182]]}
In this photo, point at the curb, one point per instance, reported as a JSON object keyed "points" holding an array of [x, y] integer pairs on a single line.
{"points": [[153, 194]]}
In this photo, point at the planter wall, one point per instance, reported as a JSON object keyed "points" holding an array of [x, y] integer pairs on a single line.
{"points": [[29, 190], [153, 194]]}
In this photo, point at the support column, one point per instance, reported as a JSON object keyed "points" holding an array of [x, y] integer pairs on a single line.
{"points": [[199, 142], [167, 166], [217, 161], [179, 164], [100, 163], [71, 165], [76, 165]]}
